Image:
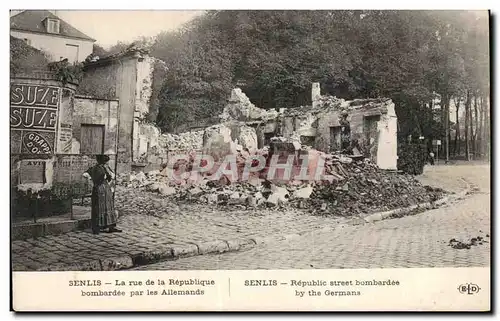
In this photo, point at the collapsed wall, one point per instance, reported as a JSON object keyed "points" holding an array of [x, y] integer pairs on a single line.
{"points": [[228, 137], [239, 108], [372, 124], [217, 141], [243, 126]]}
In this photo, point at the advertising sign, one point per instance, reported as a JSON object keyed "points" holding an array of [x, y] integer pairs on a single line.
{"points": [[33, 113]]}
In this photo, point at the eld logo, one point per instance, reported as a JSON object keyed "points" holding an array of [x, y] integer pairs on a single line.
{"points": [[468, 288]]}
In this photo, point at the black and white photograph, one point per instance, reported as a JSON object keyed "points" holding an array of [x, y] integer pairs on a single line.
{"points": [[159, 140]]}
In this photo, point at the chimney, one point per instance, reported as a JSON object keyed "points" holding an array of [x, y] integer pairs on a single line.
{"points": [[315, 94], [15, 12]]}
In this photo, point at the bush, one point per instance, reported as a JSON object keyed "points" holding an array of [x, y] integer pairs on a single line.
{"points": [[412, 158], [48, 202], [24, 58]]}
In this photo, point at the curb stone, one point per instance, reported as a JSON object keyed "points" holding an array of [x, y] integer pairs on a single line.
{"points": [[156, 255], [175, 252], [420, 207]]}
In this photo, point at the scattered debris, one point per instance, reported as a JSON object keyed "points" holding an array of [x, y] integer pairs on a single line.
{"points": [[355, 186], [475, 241]]}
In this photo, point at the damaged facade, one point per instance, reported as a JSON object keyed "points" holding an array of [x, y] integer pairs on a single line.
{"points": [[54, 137], [106, 114], [370, 129], [126, 77]]}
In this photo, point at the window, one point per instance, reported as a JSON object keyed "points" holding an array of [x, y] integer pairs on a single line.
{"points": [[335, 138], [52, 25], [92, 139], [370, 127], [267, 138], [72, 53], [307, 140]]}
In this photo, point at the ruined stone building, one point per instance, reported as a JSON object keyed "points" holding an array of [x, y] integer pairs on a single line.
{"points": [[372, 124], [126, 77], [58, 128]]}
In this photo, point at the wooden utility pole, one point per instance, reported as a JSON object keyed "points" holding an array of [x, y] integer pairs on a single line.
{"points": [[447, 128]]}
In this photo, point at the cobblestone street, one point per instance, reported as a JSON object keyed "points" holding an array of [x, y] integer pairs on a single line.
{"points": [[168, 225], [421, 240]]}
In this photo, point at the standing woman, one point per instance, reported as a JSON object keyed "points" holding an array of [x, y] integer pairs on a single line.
{"points": [[103, 210]]}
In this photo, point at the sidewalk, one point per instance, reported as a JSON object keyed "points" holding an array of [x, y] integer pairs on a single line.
{"points": [[174, 231], [154, 229]]}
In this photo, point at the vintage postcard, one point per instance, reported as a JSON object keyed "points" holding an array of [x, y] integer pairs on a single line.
{"points": [[250, 160]]}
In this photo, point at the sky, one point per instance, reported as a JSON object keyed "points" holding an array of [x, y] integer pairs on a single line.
{"points": [[109, 27]]}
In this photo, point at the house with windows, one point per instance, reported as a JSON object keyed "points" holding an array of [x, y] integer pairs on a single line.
{"points": [[44, 30]]}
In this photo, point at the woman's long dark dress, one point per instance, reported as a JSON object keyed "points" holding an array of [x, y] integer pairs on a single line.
{"points": [[103, 211]]}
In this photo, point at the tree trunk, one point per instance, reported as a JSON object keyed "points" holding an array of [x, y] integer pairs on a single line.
{"points": [[476, 128], [448, 135], [456, 148], [481, 128], [467, 109], [443, 122], [479, 135], [471, 128], [487, 135]]}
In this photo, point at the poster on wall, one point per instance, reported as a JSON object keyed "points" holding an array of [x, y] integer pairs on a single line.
{"points": [[33, 142], [65, 130], [70, 168], [33, 113], [65, 136], [32, 171]]}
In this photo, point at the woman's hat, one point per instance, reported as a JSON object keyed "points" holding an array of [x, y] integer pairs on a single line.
{"points": [[102, 158]]}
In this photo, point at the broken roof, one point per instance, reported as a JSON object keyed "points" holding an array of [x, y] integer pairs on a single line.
{"points": [[33, 21], [377, 105], [133, 50]]}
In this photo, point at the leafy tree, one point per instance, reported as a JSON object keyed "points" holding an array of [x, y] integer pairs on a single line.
{"points": [[412, 57], [99, 51]]}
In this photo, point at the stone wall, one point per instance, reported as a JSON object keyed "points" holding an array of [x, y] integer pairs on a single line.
{"points": [[219, 140], [128, 78], [245, 126], [99, 82], [154, 148], [373, 123], [46, 119], [239, 108], [184, 141], [245, 136], [39, 105], [89, 110], [381, 146], [144, 86]]}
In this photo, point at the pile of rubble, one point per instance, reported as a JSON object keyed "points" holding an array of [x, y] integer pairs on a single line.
{"points": [[183, 141], [356, 186], [366, 189]]}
